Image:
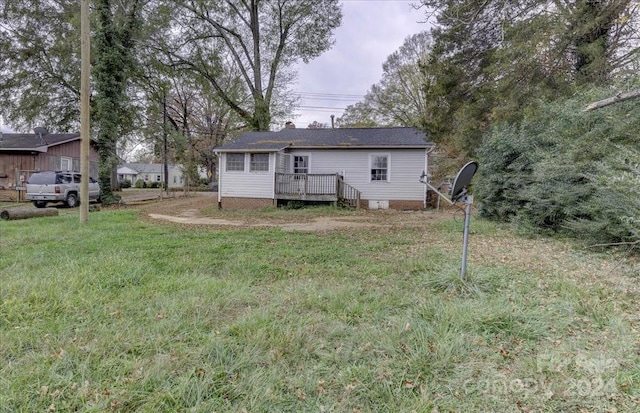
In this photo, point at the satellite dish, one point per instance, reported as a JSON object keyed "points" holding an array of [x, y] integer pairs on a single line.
{"points": [[463, 178], [459, 193], [41, 131]]}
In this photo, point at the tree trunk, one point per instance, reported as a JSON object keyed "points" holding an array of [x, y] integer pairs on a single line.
{"points": [[592, 24], [262, 116], [24, 213]]}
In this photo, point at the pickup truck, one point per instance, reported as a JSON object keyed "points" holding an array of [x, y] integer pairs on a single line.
{"points": [[58, 186]]}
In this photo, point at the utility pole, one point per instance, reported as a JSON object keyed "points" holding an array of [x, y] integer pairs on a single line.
{"points": [[85, 130]]}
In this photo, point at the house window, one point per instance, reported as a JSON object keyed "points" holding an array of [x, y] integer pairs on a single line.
{"points": [[66, 163], [235, 162], [301, 164], [379, 168], [259, 162], [54, 163], [157, 178]]}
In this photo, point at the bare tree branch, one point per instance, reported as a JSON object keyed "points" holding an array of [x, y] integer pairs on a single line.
{"points": [[620, 97]]}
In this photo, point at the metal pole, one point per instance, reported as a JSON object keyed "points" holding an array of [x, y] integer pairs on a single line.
{"points": [[85, 131], [165, 149], [467, 218]]}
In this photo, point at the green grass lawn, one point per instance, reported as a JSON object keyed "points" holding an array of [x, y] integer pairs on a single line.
{"points": [[125, 314]]}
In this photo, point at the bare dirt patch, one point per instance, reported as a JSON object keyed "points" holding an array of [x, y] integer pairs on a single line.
{"points": [[200, 209], [317, 224]]}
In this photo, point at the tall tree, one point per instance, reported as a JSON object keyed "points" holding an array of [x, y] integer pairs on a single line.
{"points": [[40, 75], [199, 122], [258, 39], [196, 120], [401, 96], [596, 30], [41, 78], [492, 59], [114, 42], [360, 115]]}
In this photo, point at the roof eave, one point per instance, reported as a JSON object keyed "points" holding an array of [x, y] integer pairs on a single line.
{"points": [[68, 140], [42, 149], [426, 146], [252, 150]]}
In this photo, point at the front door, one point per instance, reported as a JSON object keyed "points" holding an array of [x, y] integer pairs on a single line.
{"points": [[300, 169]]}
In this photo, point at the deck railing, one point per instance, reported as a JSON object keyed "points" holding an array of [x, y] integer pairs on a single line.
{"points": [[348, 195], [306, 184], [316, 187]]}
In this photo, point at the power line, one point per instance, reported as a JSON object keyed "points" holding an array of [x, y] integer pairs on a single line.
{"points": [[319, 102], [330, 95], [321, 107], [329, 99]]}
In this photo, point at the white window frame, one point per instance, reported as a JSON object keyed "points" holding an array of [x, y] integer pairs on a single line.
{"points": [[69, 161], [236, 165], [293, 163], [253, 164], [372, 158]]}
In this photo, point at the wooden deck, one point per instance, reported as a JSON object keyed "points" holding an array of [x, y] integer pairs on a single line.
{"points": [[316, 188]]}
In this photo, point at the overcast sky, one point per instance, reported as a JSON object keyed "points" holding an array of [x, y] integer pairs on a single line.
{"points": [[4, 128], [371, 30]]}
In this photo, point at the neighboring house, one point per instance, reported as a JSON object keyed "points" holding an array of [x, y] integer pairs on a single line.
{"points": [[375, 168], [152, 172], [22, 154], [126, 173]]}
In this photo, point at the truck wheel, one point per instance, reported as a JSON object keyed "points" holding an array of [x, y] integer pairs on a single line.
{"points": [[72, 200], [39, 204]]}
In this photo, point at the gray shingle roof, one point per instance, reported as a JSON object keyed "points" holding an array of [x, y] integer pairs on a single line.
{"points": [[328, 138], [147, 168], [34, 142]]}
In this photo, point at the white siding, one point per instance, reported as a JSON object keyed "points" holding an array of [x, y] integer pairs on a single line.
{"points": [[282, 162], [246, 184], [175, 174], [405, 168]]}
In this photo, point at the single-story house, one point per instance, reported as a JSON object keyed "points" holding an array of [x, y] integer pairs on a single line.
{"points": [[22, 154], [153, 172], [375, 168]]}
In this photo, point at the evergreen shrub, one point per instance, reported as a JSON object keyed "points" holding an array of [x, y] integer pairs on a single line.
{"points": [[564, 170]]}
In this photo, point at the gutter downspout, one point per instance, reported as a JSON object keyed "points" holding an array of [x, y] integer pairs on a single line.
{"points": [[273, 158], [218, 169], [426, 170]]}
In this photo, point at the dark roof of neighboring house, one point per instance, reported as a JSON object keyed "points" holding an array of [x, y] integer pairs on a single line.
{"points": [[34, 142], [328, 139]]}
